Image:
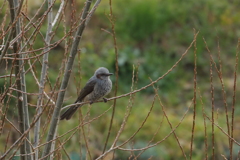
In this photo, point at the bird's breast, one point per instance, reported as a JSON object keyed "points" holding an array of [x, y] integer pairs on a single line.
{"points": [[101, 89]]}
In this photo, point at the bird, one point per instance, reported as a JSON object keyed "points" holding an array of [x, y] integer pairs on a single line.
{"points": [[98, 86]]}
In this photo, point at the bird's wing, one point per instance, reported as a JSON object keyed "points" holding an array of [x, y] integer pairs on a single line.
{"points": [[86, 90]]}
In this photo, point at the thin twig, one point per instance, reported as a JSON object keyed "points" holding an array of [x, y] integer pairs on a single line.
{"points": [[205, 126], [116, 72], [43, 77], [223, 89], [234, 99], [194, 96]]}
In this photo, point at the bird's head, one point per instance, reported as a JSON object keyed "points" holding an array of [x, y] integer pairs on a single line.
{"points": [[102, 73]]}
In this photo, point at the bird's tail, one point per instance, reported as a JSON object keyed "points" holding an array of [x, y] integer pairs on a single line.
{"points": [[68, 113]]}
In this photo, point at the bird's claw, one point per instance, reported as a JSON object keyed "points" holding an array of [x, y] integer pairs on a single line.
{"points": [[105, 100]]}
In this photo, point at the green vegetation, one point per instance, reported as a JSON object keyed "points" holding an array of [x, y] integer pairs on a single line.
{"points": [[152, 35]]}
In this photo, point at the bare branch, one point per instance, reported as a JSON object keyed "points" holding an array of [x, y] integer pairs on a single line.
{"points": [[73, 52], [43, 77]]}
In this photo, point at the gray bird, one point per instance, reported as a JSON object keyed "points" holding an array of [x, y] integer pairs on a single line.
{"points": [[98, 86]]}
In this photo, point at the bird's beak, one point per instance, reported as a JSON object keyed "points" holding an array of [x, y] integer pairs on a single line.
{"points": [[109, 74]]}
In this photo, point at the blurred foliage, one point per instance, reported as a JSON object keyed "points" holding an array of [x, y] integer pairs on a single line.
{"points": [[154, 34], [151, 36]]}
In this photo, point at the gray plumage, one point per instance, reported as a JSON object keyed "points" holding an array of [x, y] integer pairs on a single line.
{"points": [[98, 86]]}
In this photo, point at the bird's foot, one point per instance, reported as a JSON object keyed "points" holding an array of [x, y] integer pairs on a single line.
{"points": [[105, 100], [91, 102]]}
